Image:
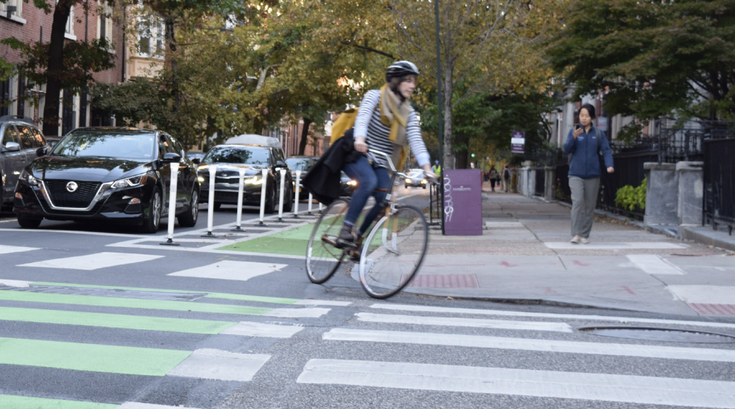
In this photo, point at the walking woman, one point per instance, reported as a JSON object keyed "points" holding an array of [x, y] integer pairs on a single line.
{"points": [[584, 144]]}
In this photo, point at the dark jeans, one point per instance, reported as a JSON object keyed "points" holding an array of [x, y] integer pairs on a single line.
{"points": [[368, 179]]}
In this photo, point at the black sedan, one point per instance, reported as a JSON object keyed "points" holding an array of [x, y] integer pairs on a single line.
{"points": [[229, 159], [121, 174]]}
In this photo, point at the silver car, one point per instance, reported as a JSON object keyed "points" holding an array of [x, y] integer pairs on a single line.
{"points": [[416, 178]]}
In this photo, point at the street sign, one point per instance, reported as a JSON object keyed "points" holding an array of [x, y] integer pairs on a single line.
{"points": [[517, 142], [462, 202]]}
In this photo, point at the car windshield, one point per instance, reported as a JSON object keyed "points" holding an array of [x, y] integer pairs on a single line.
{"points": [[416, 173], [239, 155], [108, 144], [300, 164]]}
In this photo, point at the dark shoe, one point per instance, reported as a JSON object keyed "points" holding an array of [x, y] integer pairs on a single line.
{"points": [[346, 237]]}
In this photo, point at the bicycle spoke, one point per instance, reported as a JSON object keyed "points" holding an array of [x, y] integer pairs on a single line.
{"points": [[322, 257]]}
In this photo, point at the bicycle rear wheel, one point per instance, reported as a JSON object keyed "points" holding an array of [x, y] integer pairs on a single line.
{"points": [[323, 258], [393, 252]]}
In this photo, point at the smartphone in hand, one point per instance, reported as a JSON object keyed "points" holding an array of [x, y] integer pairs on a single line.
{"points": [[577, 126]]}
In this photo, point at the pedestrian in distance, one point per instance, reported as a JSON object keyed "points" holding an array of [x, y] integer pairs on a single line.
{"points": [[585, 144], [493, 178], [506, 178], [384, 121], [437, 169]]}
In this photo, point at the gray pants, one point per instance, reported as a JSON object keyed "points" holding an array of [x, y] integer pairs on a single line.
{"points": [[584, 200]]}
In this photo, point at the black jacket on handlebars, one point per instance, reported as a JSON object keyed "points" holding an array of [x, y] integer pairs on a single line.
{"points": [[323, 178]]}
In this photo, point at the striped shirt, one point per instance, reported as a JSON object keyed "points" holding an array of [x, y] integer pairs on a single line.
{"points": [[368, 124]]}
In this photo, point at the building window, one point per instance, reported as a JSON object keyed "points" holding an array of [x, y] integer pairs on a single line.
{"points": [[5, 100], [150, 37], [21, 93], [69, 32], [104, 24], [18, 4]]}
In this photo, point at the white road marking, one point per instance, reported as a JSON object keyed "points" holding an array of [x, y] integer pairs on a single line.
{"points": [[297, 312], [138, 405], [93, 261], [542, 345], [493, 225], [15, 283], [220, 365], [464, 322], [704, 294], [449, 310], [522, 382], [653, 264], [256, 329], [614, 246], [230, 270], [323, 302], [15, 249]]}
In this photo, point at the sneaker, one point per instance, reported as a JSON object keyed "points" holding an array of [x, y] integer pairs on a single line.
{"points": [[575, 240], [584, 241], [346, 237]]}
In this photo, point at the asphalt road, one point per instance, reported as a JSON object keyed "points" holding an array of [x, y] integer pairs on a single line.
{"points": [[96, 316]]}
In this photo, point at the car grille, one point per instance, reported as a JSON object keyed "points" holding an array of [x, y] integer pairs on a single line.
{"points": [[81, 198]]}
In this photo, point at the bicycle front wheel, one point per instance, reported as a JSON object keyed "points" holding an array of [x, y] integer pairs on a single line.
{"points": [[393, 252], [323, 258]]}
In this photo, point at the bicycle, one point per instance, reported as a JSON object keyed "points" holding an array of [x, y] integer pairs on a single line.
{"points": [[388, 257]]}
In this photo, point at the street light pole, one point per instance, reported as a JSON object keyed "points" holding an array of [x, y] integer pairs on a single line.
{"points": [[439, 110]]}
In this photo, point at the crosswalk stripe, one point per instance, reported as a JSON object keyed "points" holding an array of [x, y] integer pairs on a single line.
{"points": [[653, 264], [547, 384], [24, 402], [256, 329], [91, 262], [543, 345], [220, 365], [324, 302], [90, 357], [451, 310], [464, 322], [654, 245], [230, 270], [138, 405], [99, 301], [134, 322], [5, 249], [296, 312]]}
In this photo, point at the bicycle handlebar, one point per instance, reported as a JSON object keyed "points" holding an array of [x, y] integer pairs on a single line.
{"points": [[394, 170]]}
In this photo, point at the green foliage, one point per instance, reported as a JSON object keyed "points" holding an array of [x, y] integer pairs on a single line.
{"points": [[652, 58], [632, 198]]}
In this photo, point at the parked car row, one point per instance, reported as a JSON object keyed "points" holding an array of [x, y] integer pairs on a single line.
{"points": [[124, 174]]}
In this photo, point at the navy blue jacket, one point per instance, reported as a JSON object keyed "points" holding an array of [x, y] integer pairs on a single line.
{"points": [[585, 157]]}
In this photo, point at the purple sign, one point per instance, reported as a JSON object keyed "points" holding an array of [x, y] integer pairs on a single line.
{"points": [[517, 142], [463, 202]]}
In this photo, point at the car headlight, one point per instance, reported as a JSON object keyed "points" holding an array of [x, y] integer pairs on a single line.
{"points": [[201, 179], [129, 182], [28, 178], [352, 183], [423, 181], [255, 180]]}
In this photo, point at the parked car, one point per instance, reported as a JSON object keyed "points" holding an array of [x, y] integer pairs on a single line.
{"points": [[415, 178], [195, 155], [304, 164], [19, 140], [347, 185], [253, 158], [120, 174]]}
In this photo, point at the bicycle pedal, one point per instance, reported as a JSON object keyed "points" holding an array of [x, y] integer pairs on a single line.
{"points": [[329, 240], [341, 244]]}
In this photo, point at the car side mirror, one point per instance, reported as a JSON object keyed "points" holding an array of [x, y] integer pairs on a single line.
{"points": [[12, 147], [171, 157], [196, 161], [42, 151], [280, 164]]}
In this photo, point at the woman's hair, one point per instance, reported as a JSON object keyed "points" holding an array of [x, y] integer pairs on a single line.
{"points": [[590, 110]]}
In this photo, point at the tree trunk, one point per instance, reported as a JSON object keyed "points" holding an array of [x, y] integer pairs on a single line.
{"points": [[448, 89], [304, 136], [55, 68]]}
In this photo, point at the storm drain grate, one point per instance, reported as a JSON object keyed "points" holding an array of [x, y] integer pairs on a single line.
{"points": [[445, 281], [713, 309]]}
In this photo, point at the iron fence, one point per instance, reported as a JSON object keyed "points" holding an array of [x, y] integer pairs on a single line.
{"points": [[540, 182], [719, 182]]}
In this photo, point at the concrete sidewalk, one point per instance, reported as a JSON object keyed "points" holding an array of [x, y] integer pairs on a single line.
{"points": [[524, 255]]}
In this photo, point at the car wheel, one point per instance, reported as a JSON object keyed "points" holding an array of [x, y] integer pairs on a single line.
{"points": [[153, 219], [270, 202], [189, 219], [288, 197], [29, 222]]}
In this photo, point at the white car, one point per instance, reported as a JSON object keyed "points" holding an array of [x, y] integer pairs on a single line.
{"points": [[416, 178]]}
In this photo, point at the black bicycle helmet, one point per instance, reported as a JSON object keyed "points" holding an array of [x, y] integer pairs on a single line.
{"points": [[400, 69]]}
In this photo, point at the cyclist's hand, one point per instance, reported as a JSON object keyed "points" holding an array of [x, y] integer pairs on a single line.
{"points": [[431, 176], [360, 145]]}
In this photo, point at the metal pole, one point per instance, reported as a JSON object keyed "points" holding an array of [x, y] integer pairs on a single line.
{"points": [[241, 171], [281, 193], [172, 204], [210, 202], [296, 196], [263, 189], [439, 107], [309, 205]]}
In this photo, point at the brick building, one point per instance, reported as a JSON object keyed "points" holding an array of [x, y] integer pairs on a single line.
{"points": [[27, 23]]}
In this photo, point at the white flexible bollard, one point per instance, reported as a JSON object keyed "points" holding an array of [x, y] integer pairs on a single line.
{"points": [[210, 201], [240, 187], [281, 192], [296, 196], [174, 167], [263, 189], [308, 208]]}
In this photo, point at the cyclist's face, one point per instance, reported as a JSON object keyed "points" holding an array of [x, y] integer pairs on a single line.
{"points": [[407, 86]]}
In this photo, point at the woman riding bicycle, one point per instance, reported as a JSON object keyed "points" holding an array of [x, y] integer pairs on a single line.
{"points": [[385, 121]]}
